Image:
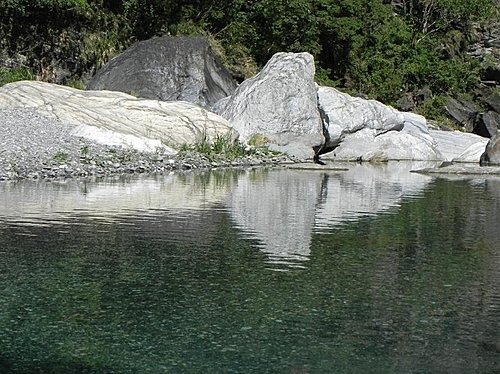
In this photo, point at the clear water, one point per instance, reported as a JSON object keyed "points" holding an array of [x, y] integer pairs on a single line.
{"points": [[373, 270]]}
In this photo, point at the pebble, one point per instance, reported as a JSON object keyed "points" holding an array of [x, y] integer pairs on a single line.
{"points": [[34, 146]]}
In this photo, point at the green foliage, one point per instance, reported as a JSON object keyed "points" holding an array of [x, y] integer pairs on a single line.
{"points": [[376, 47], [224, 148], [60, 157], [14, 75], [26, 6]]}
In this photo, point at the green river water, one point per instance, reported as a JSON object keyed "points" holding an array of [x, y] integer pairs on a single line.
{"points": [[371, 270]]}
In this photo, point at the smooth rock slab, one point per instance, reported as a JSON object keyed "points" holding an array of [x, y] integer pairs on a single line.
{"points": [[346, 114], [116, 118], [459, 146], [461, 169], [280, 104], [366, 145]]}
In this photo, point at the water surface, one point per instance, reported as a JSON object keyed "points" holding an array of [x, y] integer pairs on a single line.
{"points": [[260, 270]]}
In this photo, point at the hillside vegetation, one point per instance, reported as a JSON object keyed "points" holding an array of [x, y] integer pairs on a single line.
{"points": [[379, 48]]}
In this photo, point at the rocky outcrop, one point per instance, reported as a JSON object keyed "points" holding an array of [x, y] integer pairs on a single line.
{"points": [[168, 69], [487, 124], [458, 146], [463, 112], [280, 105], [368, 130], [491, 155], [116, 118], [345, 114]]}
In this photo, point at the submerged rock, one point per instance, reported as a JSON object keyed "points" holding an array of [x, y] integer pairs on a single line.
{"points": [[168, 69], [280, 105], [115, 118]]}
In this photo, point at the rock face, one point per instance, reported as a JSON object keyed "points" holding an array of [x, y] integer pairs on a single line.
{"points": [[371, 131], [463, 112], [459, 146], [168, 69], [491, 155], [345, 114], [116, 118], [280, 105]]}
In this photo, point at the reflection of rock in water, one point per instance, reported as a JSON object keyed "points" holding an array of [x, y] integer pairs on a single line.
{"points": [[277, 208], [180, 208], [281, 208], [367, 189]]}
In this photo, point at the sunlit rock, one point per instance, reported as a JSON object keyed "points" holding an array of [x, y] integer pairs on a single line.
{"points": [[368, 130], [117, 118], [459, 146], [280, 104]]}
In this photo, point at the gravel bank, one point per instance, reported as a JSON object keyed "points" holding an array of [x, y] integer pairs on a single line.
{"points": [[34, 146]]}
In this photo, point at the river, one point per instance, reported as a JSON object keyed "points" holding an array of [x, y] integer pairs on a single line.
{"points": [[374, 269]]}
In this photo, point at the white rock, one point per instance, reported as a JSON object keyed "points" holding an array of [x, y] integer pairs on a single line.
{"points": [[459, 146], [279, 103], [347, 114], [117, 118], [366, 145]]}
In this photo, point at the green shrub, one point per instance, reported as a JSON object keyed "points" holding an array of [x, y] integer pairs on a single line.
{"points": [[14, 75]]}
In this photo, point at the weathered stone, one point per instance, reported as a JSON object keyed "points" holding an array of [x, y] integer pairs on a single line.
{"points": [[116, 118], [168, 69], [366, 145], [371, 131], [491, 155], [280, 103], [458, 146], [493, 101], [487, 124], [345, 114], [463, 112]]}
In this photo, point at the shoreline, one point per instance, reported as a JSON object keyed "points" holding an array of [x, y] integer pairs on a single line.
{"points": [[35, 147]]}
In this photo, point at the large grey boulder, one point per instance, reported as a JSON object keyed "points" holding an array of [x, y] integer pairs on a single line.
{"points": [[116, 118], [491, 155], [168, 69], [280, 105], [367, 130]]}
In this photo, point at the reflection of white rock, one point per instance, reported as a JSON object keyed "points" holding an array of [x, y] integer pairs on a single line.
{"points": [[41, 201], [368, 189], [278, 207]]}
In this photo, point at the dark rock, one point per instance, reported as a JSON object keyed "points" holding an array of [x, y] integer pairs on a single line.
{"points": [[463, 112], [487, 124], [493, 101], [491, 74], [411, 100], [169, 69], [422, 95], [491, 155], [406, 102]]}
